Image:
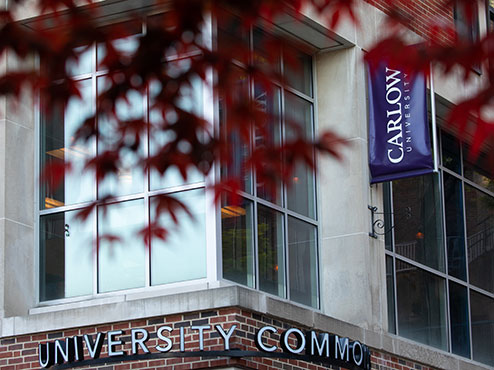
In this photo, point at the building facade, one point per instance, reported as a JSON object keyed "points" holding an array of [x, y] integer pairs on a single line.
{"points": [[294, 282]]}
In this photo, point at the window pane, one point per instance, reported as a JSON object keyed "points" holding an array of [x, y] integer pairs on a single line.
{"points": [[298, 122], [130, 178], [417, 219], [480, 170], [66, 256], [302, 262], [269, 134], [230, 127], [391, 295], [81, 65], [298, 70], [458, 308], [162, 132], [270, 248], [388, 217], [182, 255], [58, 146], [482, 327], [237, 238], [421, 305], [450, 154], [121, 263], [267, 51], [480, 237], [455, 235]]}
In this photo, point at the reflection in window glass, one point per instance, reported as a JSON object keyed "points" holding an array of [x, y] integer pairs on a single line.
{"points": [[66, 256], [121, 263], [192, 101], [270, 251], [182, 255], [237, 239], [82, 64], [455, 235], [298, 70], [450, 154], [302, 262], [126, 46], [129, 179], [236, 168], [391, 295], [458, 309], [300, 192], [417, 219], [267, 51], [482, 327], [478, 170], [421, 305], [58, 146], [480, 237], [269, 134]]}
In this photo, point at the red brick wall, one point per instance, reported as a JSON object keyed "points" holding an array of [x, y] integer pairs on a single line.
{"points": [[425, 16], [22, 352]]}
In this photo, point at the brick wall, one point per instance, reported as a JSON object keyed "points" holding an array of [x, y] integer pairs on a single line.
{"points": [[22, 352], [425, 16]]}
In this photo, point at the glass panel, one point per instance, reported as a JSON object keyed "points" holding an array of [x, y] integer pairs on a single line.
{"points": [[298, 70], [267, 52], [126, 46], [450, 155], [182, 255], [302, 262], [480, 170], [58, 146], [458, 309], [121, 262], [162, 132], [455, 235], [421, 305], [230, 127], [417, 218], [480, 237], [237, 238], [270, 246], [66, 256], [388, 217], [130, 178], [233, 37], [391, 295], [82, 63], [269, 134], [298, 121], [482, 327]]}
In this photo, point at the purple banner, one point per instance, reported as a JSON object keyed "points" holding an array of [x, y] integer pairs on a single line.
{"points": [[399, 143]]}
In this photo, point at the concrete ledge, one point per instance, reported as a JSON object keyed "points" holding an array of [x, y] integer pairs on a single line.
{"points": [[106, 310]]}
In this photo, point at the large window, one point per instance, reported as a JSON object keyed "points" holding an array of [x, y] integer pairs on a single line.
{"points": [[107, 252], [440, 255], [269, 239]]}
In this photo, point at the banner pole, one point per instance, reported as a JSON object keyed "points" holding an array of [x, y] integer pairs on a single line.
{"points": [[433, 121]]}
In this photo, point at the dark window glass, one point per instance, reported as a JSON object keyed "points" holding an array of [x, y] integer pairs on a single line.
{"points": [[66, 256], [421, 305], [237, 237], [388, 217], [455, 235], [302, 262], [479, 170], [482, 327], [480, 237], [270, 251], [451, 156], [391, 295], [458, 309], [267, 51], [417, 219]]}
